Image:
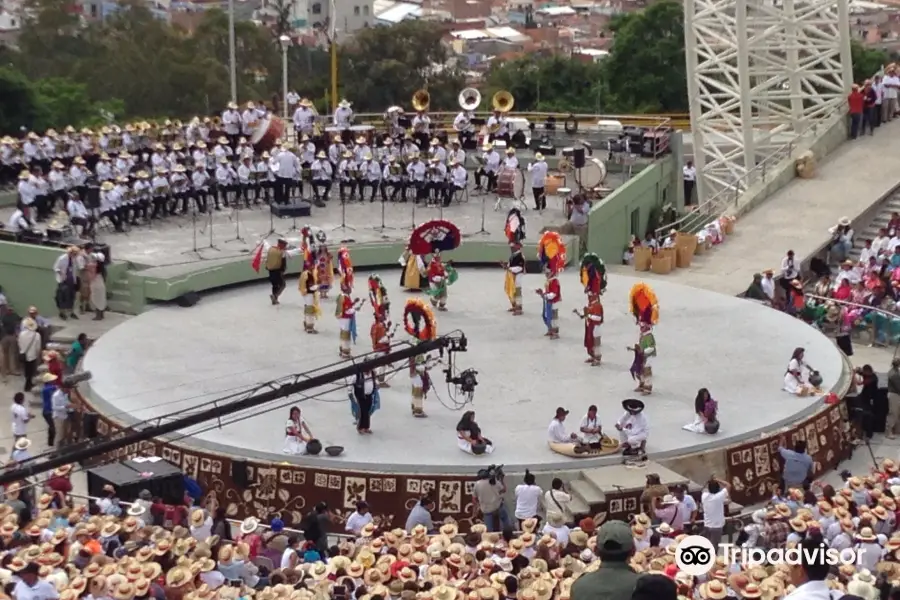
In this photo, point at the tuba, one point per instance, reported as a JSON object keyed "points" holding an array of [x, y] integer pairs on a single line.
{"points": [[503, 101], [420, 100], [469, 99]]}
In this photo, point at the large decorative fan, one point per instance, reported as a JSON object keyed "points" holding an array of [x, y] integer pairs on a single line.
{"points": [[551, 248], [593, 274], [345, 266], [515, 226], [434, 236], [419, 321], [643, 302]]}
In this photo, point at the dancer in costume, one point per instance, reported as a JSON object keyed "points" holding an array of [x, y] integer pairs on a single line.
{"points": [[420, 323], [515, 271], [413, 276], [345, 267], [593, 319], [309, 289], [378, 296], [345, 311], [324, 269], [440, 277], [645, 308], [382, 333], [638, 372], [276, 264], [647, 343], [551, 295]]}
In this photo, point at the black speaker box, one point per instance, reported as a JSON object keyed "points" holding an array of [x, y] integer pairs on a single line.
{"points": [[298, 209], [547, 149], [187, 300], [89, 425], [239, 473], [578, 158]]}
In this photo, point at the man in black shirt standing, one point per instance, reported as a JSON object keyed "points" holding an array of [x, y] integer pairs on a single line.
{"points": [[9, 346]]}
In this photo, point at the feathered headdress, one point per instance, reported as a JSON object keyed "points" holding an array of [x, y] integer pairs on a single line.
{"points": [[419, 321], [593, 274], [552, 252], [345, 266], [643, 302]]}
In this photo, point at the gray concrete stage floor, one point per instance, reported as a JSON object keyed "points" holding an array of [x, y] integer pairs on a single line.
{"points": [[170, 242], [173, 358]]}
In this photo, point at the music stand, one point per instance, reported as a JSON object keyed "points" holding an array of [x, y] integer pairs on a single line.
{"points": [[343, 226], [236, 213], [209, 224], [194, 249], [413, 213]]}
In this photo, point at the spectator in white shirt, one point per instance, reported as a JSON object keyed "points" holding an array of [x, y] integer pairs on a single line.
{"points": [[689, 175], [20, 416], [556, 500], [19, 221], [715, 501], [891, 83], [687, 508], [358, 519], [556, 526], [528, 498], [30, 587], [789, 270], [201, 524]]}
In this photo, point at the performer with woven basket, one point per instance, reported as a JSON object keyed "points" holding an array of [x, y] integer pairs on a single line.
{"points": [[552, 254], [420, 323]]}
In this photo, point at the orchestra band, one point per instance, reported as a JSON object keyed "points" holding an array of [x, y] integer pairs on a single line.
{"points": [[143, 171]]}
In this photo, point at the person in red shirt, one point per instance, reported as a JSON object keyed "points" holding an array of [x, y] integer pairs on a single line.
{"points": [[856, 101], [54, 364]]}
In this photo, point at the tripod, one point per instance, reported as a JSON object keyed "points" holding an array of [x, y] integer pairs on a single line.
{"points": [[382, 228], [343, 226]]}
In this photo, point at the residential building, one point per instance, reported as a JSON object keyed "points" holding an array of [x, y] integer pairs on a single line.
{"points": [[349, 15]]}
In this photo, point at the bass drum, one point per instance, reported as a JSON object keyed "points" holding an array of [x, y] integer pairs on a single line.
{"points": [[510, 184], [592, 175], [267, 134]]}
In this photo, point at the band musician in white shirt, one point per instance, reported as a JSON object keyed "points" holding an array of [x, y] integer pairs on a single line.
{"points": [[538, 170], [498, 127], [458, 178], [79, 215], [19, 221], [343, 115], [489, 168]]}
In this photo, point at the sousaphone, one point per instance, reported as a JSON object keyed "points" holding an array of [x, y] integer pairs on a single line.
{"points": [[469, 99], [420, 100], [503, 101]]}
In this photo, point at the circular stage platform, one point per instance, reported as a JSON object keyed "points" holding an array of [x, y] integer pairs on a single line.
{"points": [[172, 358]]}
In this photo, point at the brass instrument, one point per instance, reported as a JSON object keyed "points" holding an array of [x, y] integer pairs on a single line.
{"points": [[421, 100], [502, 102], [395, 169], [469, 99]]}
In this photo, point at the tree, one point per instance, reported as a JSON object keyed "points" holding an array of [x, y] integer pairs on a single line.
{"points": [[866, 61], [645, 71], [62, 102], [552, 84], [18, 104]]}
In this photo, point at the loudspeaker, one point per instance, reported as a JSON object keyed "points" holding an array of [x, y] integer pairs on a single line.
{"points": [[239, 473], [89, 425], [578, 158], [547, 149], [187, 300], [298, 209]]}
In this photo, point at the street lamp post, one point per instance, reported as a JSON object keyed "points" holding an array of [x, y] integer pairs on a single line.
{"points": [[285, 42], [232, 60]]}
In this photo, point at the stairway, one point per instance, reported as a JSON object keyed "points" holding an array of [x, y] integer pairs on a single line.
{"points": [[118, 295], [867, 231]]}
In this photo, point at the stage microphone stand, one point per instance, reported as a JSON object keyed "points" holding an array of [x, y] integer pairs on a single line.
{"points": [[194, 249], [482, 231], [343, 226], [236, 211], [382, 228], [415, 201], [209, 224]]}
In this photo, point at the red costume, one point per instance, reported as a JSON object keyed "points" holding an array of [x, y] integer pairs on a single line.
{"points": [[345, 306], [594, 309], [436, 269], [380, 339], [552, 287]]}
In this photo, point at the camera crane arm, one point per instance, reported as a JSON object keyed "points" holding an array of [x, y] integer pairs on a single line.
{"points": [[258, 396]]}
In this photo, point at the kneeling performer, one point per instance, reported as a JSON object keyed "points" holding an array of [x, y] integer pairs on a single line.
{"points": [[469, 437], [633, 428]]}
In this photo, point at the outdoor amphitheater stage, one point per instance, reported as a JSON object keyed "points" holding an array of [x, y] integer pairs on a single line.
{"points": [[172, 358]]}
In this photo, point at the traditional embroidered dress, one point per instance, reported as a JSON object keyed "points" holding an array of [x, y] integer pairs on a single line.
{"points": [[593, 318], [512, 285], [381, 344], [345, 311], [413, 276], [378, 296], [293, 437], [420, 383], [437, 283], [551, 296], [309, 289]]}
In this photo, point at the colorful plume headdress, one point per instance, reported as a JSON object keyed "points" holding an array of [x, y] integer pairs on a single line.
{"points": [[643, 302], [593, 274], [552, 251]]}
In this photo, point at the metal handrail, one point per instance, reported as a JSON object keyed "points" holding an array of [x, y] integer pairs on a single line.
{"points": [[727, 198], [877, 309]]}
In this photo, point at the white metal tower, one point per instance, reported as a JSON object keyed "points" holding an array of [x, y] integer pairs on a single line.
{"points": [[760, 72]]}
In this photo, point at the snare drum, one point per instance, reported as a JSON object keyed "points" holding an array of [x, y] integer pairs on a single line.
{"points": [[510, 184], [362, 131], [267, 134]]}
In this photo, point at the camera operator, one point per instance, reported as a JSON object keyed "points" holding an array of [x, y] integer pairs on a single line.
{"points": [[488, 495]]}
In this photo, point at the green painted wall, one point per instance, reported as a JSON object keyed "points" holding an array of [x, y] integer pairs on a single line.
{"points": [[614, 219], [26, 274]]}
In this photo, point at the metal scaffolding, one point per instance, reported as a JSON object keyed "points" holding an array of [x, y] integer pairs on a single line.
{"points": [[760, 74]]}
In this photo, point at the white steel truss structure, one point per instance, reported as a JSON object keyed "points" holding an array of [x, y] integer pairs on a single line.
{"points": [[760, 73]]}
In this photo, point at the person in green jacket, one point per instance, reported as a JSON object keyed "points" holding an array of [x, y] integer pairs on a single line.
{"points": [[614, 580]]}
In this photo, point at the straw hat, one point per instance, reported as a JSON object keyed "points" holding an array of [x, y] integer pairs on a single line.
{"points": [[198, 516], [866, 535], [713, 590], [249, 525]]}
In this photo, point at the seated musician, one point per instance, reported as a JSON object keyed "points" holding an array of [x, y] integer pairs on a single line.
{"points": [[249, 120], [408, 149], [347, 176], [489, 169], [360, 149], [321, 178], [307, 150], [78, 174], [438, 151], [335, 150], [160, 190], [200, 182], [264, 178], [392, 177], [499, 127], [456, 153], [389, 150], [463, 124], [20, 221], [510, 162], [79, 216], [122, 199], [416, 171], [458, 178], [224, 182], [246, 185], [421, 125], [110, 204], [371, 178], [140, 191], [437, 181]]}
